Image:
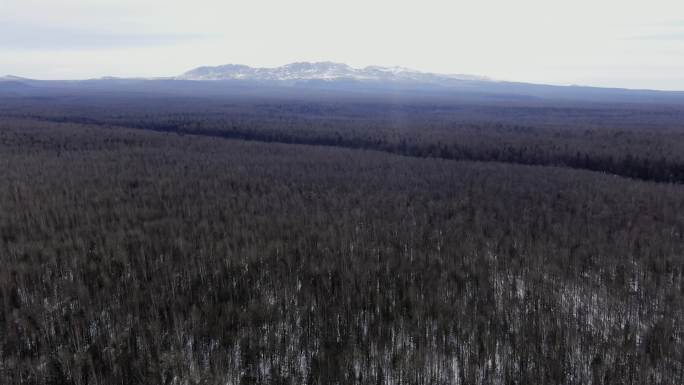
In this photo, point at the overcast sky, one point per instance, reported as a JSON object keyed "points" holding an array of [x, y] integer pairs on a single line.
{"points": [[624, 43]]}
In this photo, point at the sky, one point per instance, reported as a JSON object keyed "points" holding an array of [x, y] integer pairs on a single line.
{"points": [[613, 43]]}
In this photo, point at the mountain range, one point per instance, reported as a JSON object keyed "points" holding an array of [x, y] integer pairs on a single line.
{"points": [[329, 79], [320, 71]]}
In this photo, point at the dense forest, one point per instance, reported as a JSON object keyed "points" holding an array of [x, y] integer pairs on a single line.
{"points": [[634, 140], [168, 240]]}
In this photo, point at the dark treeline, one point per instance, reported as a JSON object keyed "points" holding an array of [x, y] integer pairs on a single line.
{"points": [[139, 257], [636, 141]]}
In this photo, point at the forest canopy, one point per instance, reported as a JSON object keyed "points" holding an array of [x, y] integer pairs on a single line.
{"points": [[189, 241]]}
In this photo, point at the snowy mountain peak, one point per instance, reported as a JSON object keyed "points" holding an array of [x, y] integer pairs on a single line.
{"points": [[318, 71], [11, 78]]}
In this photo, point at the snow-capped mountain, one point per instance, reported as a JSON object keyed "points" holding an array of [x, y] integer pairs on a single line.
{"points": [[12, 78], [318, 71]]}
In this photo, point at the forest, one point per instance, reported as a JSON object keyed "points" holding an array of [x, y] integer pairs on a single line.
{"points": [[158, 239], [641, 141]]}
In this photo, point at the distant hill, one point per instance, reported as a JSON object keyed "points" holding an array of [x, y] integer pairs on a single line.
{"points": [[319, 71], [328, 79]]}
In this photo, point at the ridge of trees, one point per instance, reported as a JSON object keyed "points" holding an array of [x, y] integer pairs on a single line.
{"points": [[644, 143]]}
